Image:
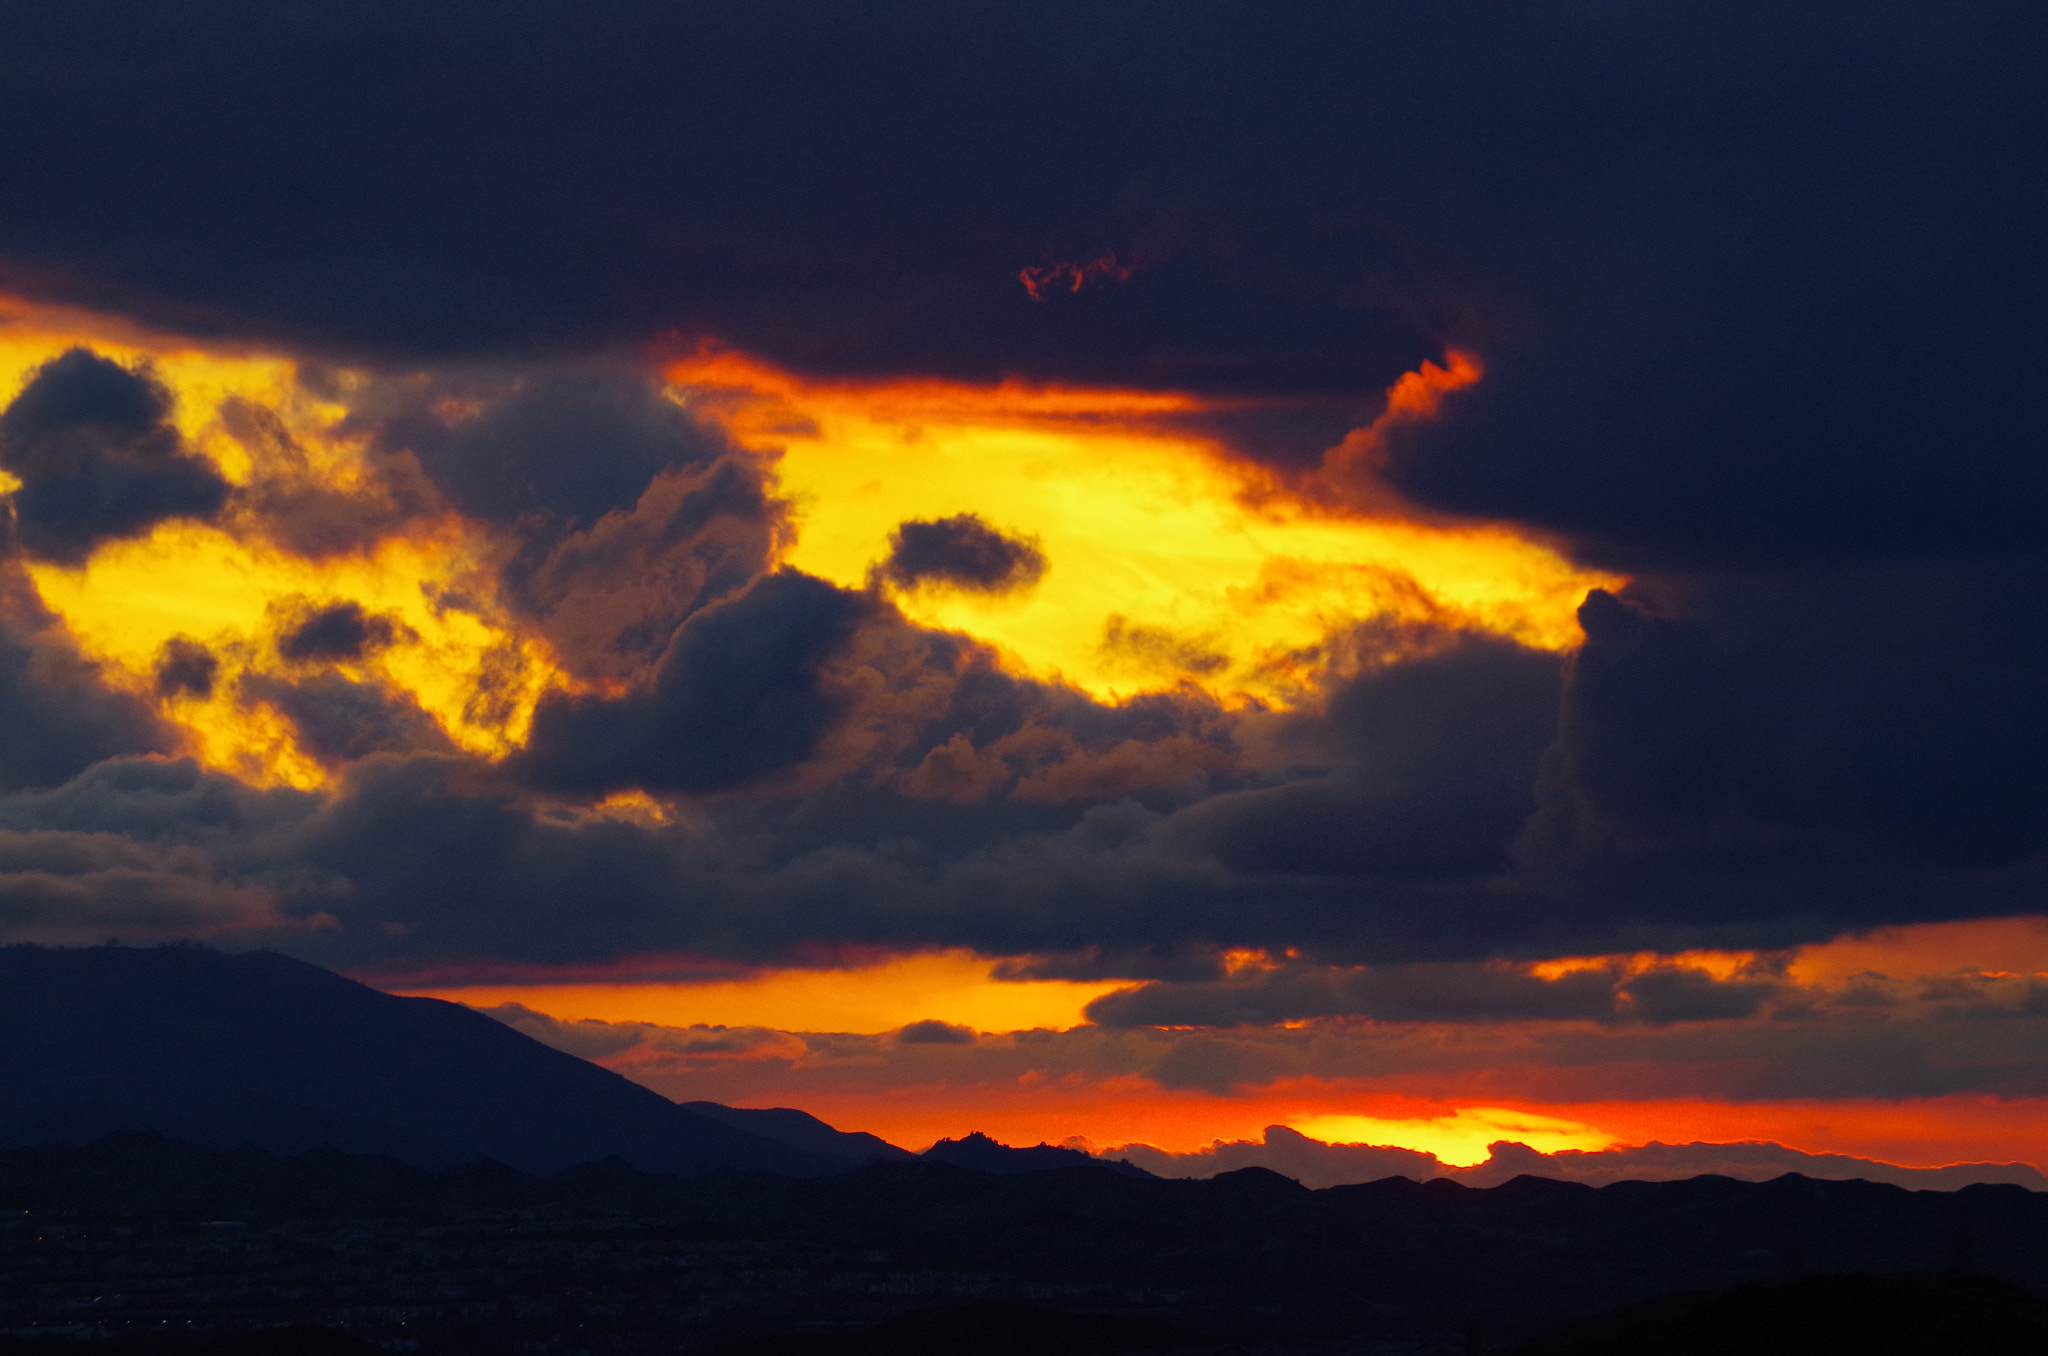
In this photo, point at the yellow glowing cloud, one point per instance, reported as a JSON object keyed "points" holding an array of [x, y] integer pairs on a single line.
{"points": [[1460, 1138], [221, 584], [950, 986], [1167, 562], [186, 579]]}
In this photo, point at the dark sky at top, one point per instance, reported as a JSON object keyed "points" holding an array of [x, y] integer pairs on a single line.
{"points": [[1760, 290]]}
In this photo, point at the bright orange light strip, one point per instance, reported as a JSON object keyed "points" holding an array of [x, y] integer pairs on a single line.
{"points": [[949, 986], [1931, 1132]]}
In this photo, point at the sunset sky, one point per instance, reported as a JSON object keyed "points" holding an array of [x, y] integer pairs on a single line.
{"points": [[1424, 574]]}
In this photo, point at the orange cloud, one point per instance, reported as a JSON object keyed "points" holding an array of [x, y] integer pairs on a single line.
{"points": [[952, 986]]}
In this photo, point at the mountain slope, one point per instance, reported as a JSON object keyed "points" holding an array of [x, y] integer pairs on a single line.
{"points": [[263, 1049], [801, 1130]]}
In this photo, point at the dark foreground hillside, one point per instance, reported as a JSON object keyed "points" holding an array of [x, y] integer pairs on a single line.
{"points": [[144, 1240], [262, 1049], [1933, 1314]]}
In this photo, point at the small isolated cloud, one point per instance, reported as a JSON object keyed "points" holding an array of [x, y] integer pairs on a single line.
{"points": [[336, 633], [962, 552]]}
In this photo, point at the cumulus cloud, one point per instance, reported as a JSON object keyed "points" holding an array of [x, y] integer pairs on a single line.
{"points": [[737, 696], [566, 444], [609, 596], [98, 458]]}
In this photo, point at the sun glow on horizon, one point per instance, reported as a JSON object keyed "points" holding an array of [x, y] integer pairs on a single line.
{"points": [[1460, 1138]]}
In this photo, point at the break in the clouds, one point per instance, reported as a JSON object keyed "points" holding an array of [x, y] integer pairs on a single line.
{"points": [[492, 367]]}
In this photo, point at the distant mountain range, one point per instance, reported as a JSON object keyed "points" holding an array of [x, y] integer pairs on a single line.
{"points": [[448, 1165], [224, 1050], [144, 1236]]}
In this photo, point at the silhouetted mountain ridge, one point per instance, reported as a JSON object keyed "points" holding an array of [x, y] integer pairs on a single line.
{"points": [[1245, 1256], [800, 1130], [983, 1154], [262, 1049]]}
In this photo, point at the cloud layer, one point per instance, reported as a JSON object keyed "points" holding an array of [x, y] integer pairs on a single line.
{"points": [[509, 659]]}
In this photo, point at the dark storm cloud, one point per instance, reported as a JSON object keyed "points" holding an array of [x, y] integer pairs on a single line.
{"points": [[849, 189], [1372, 830], [736, 696], [963, 552], [1427, 767], [1748, 282], [943, 802], [157, 800], [1851, 747], [1757, 292], [98, 458]]}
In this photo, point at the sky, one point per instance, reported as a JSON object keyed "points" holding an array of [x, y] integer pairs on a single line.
{"points": [[1137, 572]]}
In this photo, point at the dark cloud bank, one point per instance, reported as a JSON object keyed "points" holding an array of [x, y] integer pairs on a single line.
{"points": [[1764, 320]]}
